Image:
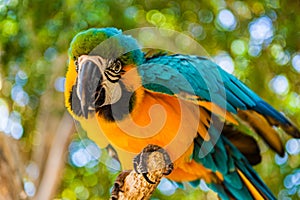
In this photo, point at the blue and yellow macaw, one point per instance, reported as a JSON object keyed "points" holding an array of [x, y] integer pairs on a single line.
{"points": [[185, 104]]}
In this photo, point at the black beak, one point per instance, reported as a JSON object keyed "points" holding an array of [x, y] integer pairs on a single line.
{"points": [[88, 82]]}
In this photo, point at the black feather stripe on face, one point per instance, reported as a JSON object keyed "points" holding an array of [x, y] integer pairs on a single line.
{"points": [[111, 76], [120, 109], [100, 97]]}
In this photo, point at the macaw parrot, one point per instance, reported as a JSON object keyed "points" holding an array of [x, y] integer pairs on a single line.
{"points": [[185, 104]]}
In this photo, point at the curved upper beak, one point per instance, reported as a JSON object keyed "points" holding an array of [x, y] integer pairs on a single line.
{"points": [[88, 80]]}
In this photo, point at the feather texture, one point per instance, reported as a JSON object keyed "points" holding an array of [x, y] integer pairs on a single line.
{"points": [[185, 104]]}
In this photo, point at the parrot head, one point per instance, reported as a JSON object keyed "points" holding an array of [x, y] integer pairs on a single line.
{"points": [[98, 61]]}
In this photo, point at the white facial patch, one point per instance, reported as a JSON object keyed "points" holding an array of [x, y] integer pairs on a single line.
{"points": [[113, 91]]}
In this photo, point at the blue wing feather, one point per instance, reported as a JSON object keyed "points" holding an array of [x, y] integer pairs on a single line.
{"points": [[205, 79]]}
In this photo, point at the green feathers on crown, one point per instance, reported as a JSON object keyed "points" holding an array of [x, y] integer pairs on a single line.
{"points": [[108, 43]]}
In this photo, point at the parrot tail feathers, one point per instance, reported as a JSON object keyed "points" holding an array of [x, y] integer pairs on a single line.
{"points": [[262, 127], [255, 192], [243, 183], [236, 177], [276, 118], [254, 184], [288, 127]]}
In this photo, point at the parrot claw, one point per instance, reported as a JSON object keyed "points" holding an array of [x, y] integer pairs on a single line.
{"points": [[147, 178], [141, 161]]}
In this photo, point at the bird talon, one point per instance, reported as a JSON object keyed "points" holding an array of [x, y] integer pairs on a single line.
{"points": [[147, 178], [140, 162], [169, 169]]}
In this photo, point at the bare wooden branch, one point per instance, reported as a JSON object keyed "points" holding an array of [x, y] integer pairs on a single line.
{"points": [[56, 159], [131, 185], [11, 170]]}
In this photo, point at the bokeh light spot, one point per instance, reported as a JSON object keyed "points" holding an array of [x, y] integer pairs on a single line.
{"points": [[261, 30], [279, 84], [29, 188], [68, 194], [166, 187], [241, 62], [113, 165], [293, 146], [90, 180], [21, 78], [242, 9], [281, 57], [84, 153], [60, 84], [80, 157], [33, 170], [225, 61], [16, 131], [239, 47], [283, 194], [50, 54], [197, 31], [296, 62], [93, 150], [291, 181], [254, 50], [19, 95], [4, 114], [288, 182], [82, 192], [261, 33], [205, 16], [281, 160], [131, 12], [155, 17], [13, 125], [9, 28], [293, 102], [297, 177], [226, 20]]}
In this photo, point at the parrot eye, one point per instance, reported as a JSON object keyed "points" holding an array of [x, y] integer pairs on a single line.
{"points": [[117, 67]]}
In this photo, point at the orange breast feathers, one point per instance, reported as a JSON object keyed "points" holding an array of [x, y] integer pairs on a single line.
{"points": [[158, 119], [166, 121]]}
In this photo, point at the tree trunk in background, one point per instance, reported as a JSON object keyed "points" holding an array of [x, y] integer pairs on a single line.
{"points": [[11, 170], [54, 165]]}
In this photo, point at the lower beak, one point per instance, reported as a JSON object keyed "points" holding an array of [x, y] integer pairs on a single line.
{"points": [[89, 78]]}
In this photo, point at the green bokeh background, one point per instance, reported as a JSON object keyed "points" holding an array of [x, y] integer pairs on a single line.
{"points": [[34, 39]]}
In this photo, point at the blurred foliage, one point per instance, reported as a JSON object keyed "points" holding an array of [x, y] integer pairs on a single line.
{"points": [[259, 41]]}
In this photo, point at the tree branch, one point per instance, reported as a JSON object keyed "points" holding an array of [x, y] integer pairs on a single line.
{"points": [[56, 159], [131, 185], [11, 170]]}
